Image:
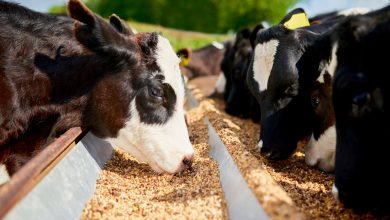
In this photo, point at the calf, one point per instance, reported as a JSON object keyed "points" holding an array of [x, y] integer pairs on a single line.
{"points": [[82, 71], [202, 61], [359, 89], [289, 67], [239, 100]]}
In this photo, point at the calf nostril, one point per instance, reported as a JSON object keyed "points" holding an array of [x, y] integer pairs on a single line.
{"points": [[187, 161]]}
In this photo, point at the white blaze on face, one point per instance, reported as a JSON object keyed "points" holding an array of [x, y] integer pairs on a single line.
{"points": [[164, 146], [335, 192], [333, 62], [263, 61], [4, 176], [322, 152], [221, 83], [331, 66]]}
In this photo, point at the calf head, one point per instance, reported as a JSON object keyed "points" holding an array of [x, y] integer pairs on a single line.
{"points": [[138, 102], [320, 150], [359, 89], [288, 58], [238, 102], [226, 66]]}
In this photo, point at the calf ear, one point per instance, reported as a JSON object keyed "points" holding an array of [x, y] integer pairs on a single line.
{"points": [[253, 36], [316, 56], [245, 33], [120, 25], [93, 32], [297, 18], [80, 12], [185, 55]]}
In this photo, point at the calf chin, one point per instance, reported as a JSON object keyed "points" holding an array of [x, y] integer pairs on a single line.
{"points": [[321, 152]]}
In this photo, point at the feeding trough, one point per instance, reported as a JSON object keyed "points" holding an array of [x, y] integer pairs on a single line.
{"points": [[58, 182]]}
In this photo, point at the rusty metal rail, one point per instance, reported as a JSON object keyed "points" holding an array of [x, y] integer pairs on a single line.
{"points": [[23, 181]]}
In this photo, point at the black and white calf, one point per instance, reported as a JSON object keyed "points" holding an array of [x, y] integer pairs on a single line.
{"points": [[359, 89], [82, 71], [239, 100], [290, 76]]}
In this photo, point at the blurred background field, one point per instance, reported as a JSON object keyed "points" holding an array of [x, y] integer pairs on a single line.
{"points": [[179, 38], [195, 23], [210, 16]]}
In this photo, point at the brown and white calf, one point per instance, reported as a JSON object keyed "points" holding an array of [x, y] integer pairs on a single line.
{"points": [[202, 61], [58, 72]]}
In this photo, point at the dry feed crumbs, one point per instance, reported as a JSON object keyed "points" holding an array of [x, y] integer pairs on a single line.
{"points": [[309, 188], [284, 188], [127, 189]]}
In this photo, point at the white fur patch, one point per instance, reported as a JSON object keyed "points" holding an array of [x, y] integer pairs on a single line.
{"points": [[217, 45], [330, 67], [4, 176], [163, 147], [263, 61], [354, 11], [260, 145], [221, 83], [333, 60], [335, 192], [322, 152]]}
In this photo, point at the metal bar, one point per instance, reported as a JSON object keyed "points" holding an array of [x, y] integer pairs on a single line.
{"points": [[30, 174]]}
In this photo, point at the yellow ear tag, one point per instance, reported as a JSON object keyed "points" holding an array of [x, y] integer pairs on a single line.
{"points": [[297, 21], [184, 61]]}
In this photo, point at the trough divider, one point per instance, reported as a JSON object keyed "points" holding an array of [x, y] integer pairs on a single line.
{"points": [[242, 203], [23, 181]]}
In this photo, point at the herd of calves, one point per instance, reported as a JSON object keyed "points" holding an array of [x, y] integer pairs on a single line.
{"points": [[319, 81]]}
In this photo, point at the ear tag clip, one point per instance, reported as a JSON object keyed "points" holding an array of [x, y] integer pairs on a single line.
{"points": [[184, 60]]}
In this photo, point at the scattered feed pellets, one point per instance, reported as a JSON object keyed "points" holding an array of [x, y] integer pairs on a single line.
{"points": [[127, 189]]}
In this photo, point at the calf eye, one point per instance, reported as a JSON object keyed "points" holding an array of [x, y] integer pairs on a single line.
{"points": [[315, 101], [145, 49], [156, 92], [361, 99]]}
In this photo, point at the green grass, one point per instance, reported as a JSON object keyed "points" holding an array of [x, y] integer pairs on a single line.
{"points": [[181, 39]]}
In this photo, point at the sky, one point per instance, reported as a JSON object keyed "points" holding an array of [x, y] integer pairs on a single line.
{"points": [[312, 7]]}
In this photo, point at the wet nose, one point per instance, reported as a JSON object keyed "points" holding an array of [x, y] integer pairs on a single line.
{"points": [[187, 161]]}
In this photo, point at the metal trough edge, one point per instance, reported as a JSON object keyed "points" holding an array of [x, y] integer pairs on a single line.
{"points": [[241, 201], [63, 192]]}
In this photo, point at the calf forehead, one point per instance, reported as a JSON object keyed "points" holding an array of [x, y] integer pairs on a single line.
{"points": [[264, 56], [168, 62], [275, 58]]}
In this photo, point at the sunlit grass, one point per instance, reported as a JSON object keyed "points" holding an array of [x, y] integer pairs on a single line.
{"points": [[180, 39]]}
